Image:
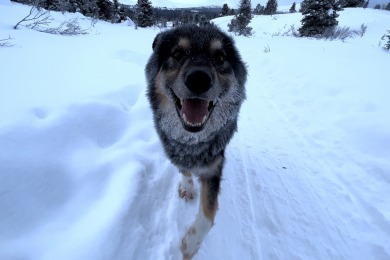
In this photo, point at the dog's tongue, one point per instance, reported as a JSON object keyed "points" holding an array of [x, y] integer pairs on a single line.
{"points": [[195, 110]]}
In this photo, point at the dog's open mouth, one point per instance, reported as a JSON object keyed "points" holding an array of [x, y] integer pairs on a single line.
{"points": [[194, 112]]}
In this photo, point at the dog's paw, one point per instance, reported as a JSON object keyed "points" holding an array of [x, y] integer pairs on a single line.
{"points": [[186, 187], [186, 191], [194, 236], [190, 244]]}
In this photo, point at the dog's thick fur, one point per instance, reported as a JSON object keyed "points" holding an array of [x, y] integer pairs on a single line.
{"points": [[196, 87]]}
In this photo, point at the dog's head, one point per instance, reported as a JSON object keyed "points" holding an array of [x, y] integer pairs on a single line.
{"points": [[196, 81]]}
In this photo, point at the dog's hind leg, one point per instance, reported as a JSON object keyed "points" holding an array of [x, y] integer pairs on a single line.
{"points": [[186, 187], [205, 218]]}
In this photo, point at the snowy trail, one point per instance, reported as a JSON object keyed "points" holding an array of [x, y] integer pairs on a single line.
{"points": [[288, 193]]}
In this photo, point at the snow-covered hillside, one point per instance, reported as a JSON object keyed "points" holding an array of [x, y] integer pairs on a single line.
{"points": [[83, 175]]}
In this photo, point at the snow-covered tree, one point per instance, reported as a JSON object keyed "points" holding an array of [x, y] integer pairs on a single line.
{"points": [[292, 8], [105, 9], [387, 6], [225, 10], [353, 3], [366, 4], [239, 24], [259, 9], [144, 13], [271, 7], [377, 6], [303, 6], [319, 16]]}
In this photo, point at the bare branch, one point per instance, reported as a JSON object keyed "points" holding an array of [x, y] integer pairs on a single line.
{"points": [[70, 27], [6, 43], [36, 16]]}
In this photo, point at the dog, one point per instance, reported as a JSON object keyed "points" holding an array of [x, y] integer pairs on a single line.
{"points": [[196, 85]]}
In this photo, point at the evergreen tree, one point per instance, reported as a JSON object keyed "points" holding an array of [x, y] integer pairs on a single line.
{"points": [[185, 17], [387, 7], [271, 7], [377, 6], [319, 16], [366, 4], [239, 24], [353, 3], [225, 10], [144, 13], [259, 9], [105, 9], [292, 8], [303, 6], [203, 21]]}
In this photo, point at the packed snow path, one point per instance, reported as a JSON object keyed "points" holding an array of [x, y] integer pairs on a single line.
{"points": [[83, 175]]}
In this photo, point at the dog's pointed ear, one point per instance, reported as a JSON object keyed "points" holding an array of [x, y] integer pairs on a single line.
{"points": [[156, 41]]}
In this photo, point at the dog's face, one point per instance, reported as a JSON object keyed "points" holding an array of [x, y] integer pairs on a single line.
{"points": [[196, 82]]}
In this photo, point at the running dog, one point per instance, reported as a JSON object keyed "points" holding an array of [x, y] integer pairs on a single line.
{"points": [[196, 85]]}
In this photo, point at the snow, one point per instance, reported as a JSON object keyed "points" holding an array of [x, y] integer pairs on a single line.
{"points": [[83, 174]]}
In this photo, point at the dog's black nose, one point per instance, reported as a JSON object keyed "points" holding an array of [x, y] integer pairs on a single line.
{"points": [[198, 81]]}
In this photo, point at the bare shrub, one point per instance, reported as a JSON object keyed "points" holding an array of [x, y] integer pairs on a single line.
{"points": [[267, 49], [342, 33], [6, 42], [70, 27], [40, 20], [387, 44], [37, 17]]}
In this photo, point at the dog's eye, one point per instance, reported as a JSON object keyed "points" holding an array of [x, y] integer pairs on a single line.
{"points": [[219, 59], [178, 54]]}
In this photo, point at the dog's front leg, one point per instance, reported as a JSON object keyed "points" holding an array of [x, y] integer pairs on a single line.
{"points": [[205, 218]]}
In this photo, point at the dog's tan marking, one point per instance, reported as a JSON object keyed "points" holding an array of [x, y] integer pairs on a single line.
{"points": [[188, 174], [215, 45], [183, 246], [184, 43], [193, 231], [208, 212], [159, 90]]}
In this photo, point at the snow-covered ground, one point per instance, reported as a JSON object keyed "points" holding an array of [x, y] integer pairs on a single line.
{"points": [[83, 175]]}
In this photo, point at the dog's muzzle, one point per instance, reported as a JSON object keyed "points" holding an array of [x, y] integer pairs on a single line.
{"points": [[194, 112]]}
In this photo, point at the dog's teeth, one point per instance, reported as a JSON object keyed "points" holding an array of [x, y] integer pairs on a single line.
{"points": [[204, 119], [184, 118]]}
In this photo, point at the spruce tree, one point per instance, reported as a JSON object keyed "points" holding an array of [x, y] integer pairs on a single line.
{"points": [[387, 7], [144, 13], [319, 16], [366, 4], [239, 24], [353, 3], [292, 8], [225, 10], [203, 21], [271, 7], [259, 9], [105, 9]]}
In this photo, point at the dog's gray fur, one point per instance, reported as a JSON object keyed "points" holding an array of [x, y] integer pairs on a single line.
{"points": [[176, 54]]}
